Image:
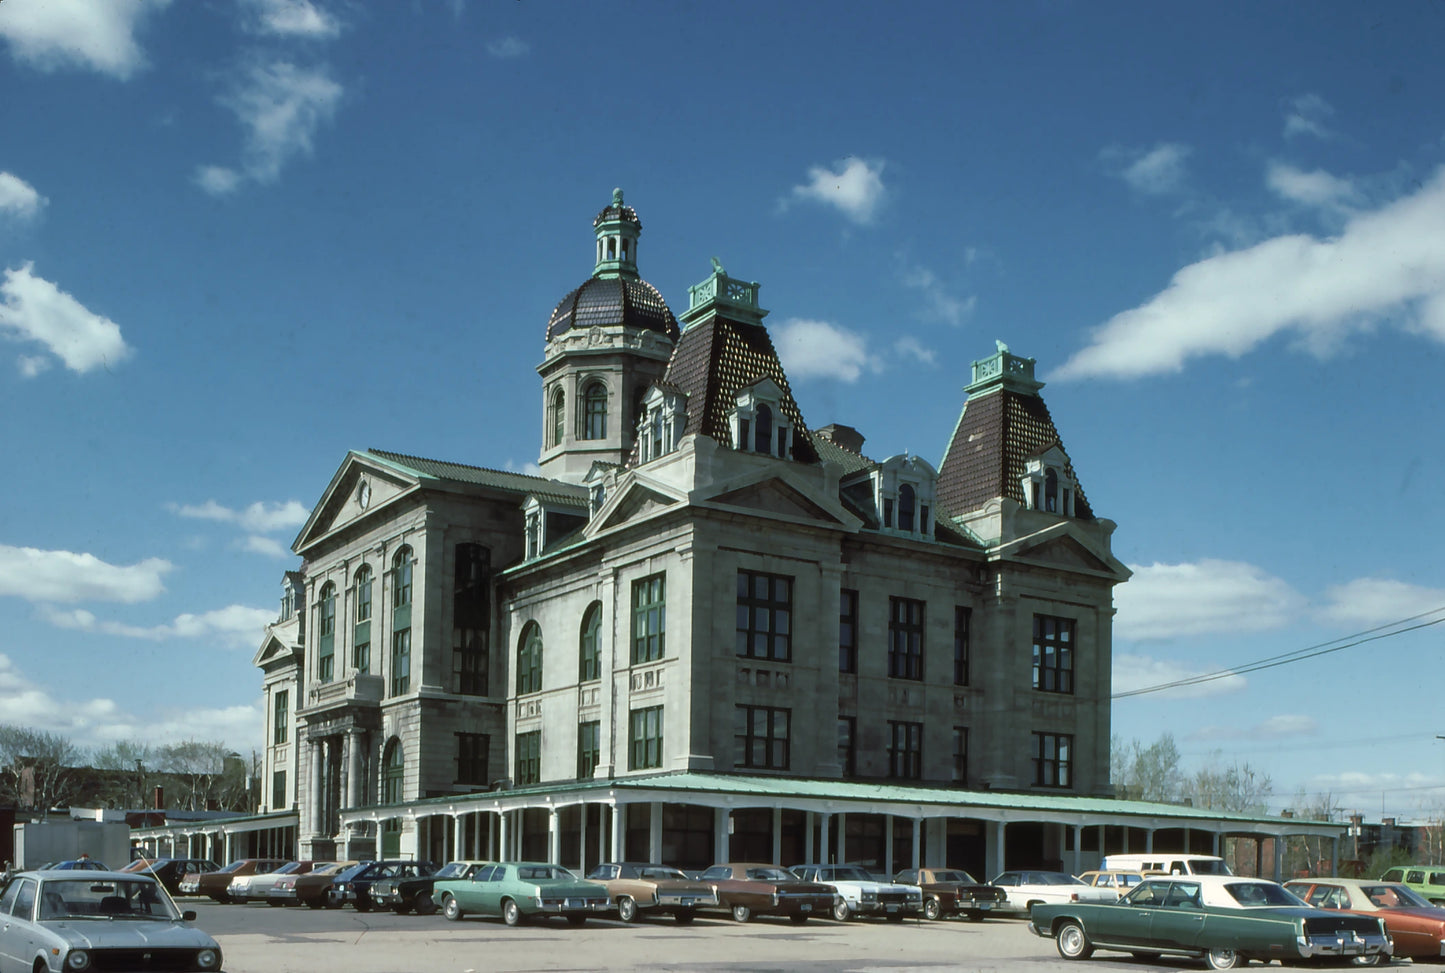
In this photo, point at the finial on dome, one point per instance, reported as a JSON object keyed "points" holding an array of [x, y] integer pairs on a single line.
{"points": [[617, 197]]}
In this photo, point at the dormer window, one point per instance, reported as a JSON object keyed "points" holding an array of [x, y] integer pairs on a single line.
{"points": [[546, 521], [534, 532], [1047, 485], [660, 427], [903, 488], [758, 422]]}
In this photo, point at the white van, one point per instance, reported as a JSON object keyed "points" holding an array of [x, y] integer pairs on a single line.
{"points": [[1168, 863]]}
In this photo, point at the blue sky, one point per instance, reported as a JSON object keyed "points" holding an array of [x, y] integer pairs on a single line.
{"points": [[240, 237]]}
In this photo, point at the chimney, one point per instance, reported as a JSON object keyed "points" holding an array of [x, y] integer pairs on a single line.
{"points": [[845, 436], [160, 798]]}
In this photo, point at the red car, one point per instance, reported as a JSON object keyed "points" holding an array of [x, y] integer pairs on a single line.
{"points": [[1416, 926]]}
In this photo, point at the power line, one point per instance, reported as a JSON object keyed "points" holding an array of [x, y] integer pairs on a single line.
{"points": [[1297, 655]]}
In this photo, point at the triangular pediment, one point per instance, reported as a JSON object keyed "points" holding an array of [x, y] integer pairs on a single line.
{"points": [[274, 653], [359, 489], [638, 501], [1065, 552], [1064, 548], [774, 496]]}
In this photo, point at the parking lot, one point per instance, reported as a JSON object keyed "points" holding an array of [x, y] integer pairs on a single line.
{"points": [[260, 939]]}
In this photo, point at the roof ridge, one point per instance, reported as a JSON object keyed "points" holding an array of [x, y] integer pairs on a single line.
{"points": [[388, 454]]}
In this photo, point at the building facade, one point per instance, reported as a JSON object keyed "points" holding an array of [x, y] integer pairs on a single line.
{"points": [[700, 586]]}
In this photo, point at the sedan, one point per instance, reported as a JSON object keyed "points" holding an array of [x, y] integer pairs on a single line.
{"points": [[519, 891], [217, 884], [1417, 926], [60, 920], [642, 889], [860, 894], [952, 891], [1024, 890], [1226, 920], [748, 889]]}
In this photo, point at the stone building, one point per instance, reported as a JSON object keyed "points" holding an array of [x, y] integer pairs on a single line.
{"points": [[702, 595]]}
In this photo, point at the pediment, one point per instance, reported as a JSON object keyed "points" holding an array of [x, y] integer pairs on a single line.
{"points": [[358, 489], [638, 502], [274, 653], [774, 496], [1066, 552], [1060, 547]]}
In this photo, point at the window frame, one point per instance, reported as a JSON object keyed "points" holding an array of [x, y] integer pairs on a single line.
{"points": [[1050, 768], [589, 748], [644, 738], [751, 606], [1054, 642], [594, 411], [848, 630], [473, 754], [905, 750], [962, 631], [280, 716], [400, 662], [907, 625], [326, 633], [746, 738], [649, 619], [529, 659], [527, 763], [589, 644]]}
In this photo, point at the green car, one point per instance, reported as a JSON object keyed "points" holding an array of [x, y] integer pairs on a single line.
{"points": [[1428, 880], [1225, 919], [517, 891]]}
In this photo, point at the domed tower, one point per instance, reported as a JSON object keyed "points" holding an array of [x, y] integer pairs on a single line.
{"points": [[607, 341]]}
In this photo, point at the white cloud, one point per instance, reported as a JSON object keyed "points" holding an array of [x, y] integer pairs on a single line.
{"points": [[280, 106], [292, 18], [1275, 728], [1379, 601], [817, 349], [1163, 601], [1318, 188], [912, 348], [236, 626], [1307, 115], [62, 576], [1153, 171], [34, 309], [78, 33], [1385, 262], [508, 47], [856, 189], [1136, 672], [32, 365], [259, 517], [939, 304], [269, 546], [19, 198]]}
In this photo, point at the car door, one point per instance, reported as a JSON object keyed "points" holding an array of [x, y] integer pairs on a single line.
{"points": [[1127, 923], [20, 935], [1178, 922], [10, 959]]}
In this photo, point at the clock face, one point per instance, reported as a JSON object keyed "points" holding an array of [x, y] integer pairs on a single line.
{"points": [[363, 494]]}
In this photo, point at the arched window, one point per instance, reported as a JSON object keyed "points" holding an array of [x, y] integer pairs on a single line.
{"points": [[763, 430], [393, 773], [363, 594], [326, 626], [361, 630], [559, 412], [906, 507], [595, 412], [401, 578], [590, 654], [529, 660]]}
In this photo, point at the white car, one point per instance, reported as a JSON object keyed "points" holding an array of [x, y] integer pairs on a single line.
{"points": [[860, 894], [1024, 889]]}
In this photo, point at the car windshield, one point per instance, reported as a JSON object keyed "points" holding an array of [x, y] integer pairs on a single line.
{"points": [[771, 875], [453, 870], [954, 875], [121, 899], [1254, 894], [538, 872], [661, 871], [1055, 878]]}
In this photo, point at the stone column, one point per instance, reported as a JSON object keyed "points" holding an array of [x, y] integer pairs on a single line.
{"points": [[654, 832], [825, 846], [353, 768], [842, 838], [888, 845], [918, 845], [808, 836], [554, 836], [619, 831], [1078, 846], [721, 846], [778, 836], [504, 848]]}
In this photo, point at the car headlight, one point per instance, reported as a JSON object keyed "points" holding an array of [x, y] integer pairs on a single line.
{"points": [[77, 959], [870, 896], [208, 959]]}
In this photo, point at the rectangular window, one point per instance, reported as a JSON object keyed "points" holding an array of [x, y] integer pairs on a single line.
{"points": [[765, 616], [1053, 654], [279, 798], [905, 750], [905, 638], [847, 749], [469, 662], [361, 654], [326, 636], [400, 662], [649, 618], [960, 756], [589, 748], [761, 737], [473, 750], [1053, 759], [528, 765], [645, 738], [961, 619], [280, 717], [848, 631]]}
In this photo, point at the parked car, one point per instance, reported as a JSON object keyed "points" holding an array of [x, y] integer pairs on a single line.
{"points": [[74, 864], [407, 892], [354, 885], [309, 889], [1416, 926], [1167, 863], [254, 887], [1427, 880], [1117, 879], [62, 920], [748, 889], [217, 884], [953, 891], [641, 889], [1024, 890], [1224, 919], [519, 891], [860, 894], [170, 871]]}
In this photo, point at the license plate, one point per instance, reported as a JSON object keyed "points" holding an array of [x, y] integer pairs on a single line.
{"points": [[893, 908], [576, 904], [807, 907], [687, 903], [984, 906]]}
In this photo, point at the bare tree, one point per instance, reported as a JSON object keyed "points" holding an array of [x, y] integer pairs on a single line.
{"points": [[37, 769], [198, 765], [1308, 854], [130, 762], [1141, 773]]}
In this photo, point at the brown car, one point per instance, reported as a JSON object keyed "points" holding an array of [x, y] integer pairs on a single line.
{"points": [[217, 884], [748, 889], [1416, 926], [953, 892], [639, 889], [309, 889]]}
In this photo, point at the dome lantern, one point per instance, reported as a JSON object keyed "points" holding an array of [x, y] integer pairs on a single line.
{"points": [[617, 228]]}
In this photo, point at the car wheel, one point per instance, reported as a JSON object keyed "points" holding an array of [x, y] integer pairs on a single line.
{"points": [[742, 913], [450, 908], [1223, 959], [932, 909], [1072, 942], [511, 913], [1378, 959], [423, 904], [798, 918], [841, 912], [576, 920], [684, 916], [626, 908]]}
